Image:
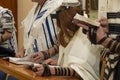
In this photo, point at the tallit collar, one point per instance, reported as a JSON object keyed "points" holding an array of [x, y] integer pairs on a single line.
{"points": [[52, 5], [49, 7], [4, 10]]}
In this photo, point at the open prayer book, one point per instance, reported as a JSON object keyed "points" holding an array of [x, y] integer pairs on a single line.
{"points": [[86, 21], [24, 60]]}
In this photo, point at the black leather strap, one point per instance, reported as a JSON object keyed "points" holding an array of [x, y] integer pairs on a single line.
{"points": [[92, 35], [53, 16], [109, 44], [46, 70], [84, 31], [102, 40]]}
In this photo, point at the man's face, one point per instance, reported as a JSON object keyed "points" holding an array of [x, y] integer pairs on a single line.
{"points": [[39, 1]]}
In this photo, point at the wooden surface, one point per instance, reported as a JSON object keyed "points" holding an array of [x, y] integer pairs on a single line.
{"points": [[22, 73]]}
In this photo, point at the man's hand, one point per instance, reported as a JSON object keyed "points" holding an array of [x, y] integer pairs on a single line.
{"points": [[104, 24], [20, 54], [50, 61], [38, 70], [37, 57], [101, 30]]}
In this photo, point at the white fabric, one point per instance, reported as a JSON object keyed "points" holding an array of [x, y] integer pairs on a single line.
{"points": [[36, 26], [108, 6], [102, 9], [114, 6], [82, 56]]}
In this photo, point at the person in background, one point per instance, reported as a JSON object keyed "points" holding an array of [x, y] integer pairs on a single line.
{"points": [[8, 43], [112, 45], [77, 57], [40, 33]]}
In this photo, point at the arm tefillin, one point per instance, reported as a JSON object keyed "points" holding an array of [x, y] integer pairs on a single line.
{"points": [[64, 71]]}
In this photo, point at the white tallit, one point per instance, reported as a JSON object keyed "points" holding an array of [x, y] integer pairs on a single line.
{"points": [[111, 6], [30, 22], [108, 6], [82, 56], [12, 42]]}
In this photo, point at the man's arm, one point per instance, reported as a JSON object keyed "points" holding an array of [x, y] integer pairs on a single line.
{"points": [[44, 55]]}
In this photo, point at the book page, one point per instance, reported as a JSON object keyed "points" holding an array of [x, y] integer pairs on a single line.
{"points": [[86, 21], [24, 60], [70, 3], [20, 61]]}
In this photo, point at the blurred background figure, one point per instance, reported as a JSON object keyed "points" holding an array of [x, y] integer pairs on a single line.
{"points": [[40, 36], [8, 42]]}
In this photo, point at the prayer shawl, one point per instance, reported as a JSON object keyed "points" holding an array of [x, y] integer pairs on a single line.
{"points": [[82, 56], [112, 58], [8, 24], [40, 29]]}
